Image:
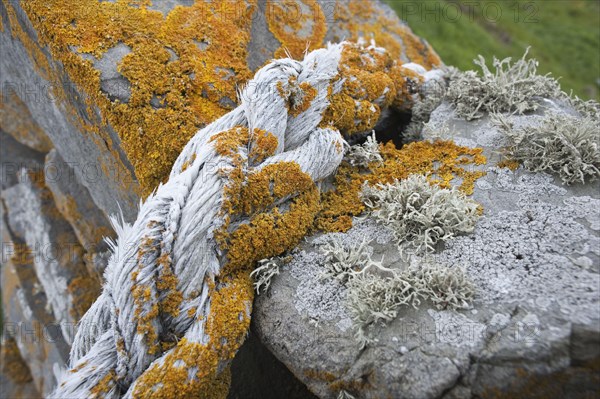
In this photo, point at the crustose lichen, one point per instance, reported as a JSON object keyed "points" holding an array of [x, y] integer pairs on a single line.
{"points": [[562, 144], [420, 213]]}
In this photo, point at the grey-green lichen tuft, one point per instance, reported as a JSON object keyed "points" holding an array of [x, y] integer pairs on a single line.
{"points": [[512, 87], [374, 299], [267, 269], [566, 145], [421, 214]]}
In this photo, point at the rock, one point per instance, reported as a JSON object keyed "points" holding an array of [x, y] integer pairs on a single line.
{"points": [[74, 202], [111, 93], [33, 343], [15, 377], [533, 329], [16, 156], [120, 98], [57, 255]]}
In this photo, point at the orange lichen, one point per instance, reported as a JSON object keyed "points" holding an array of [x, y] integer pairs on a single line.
{"points": [[441, 161], [372, 80], [170, 296], [145, 300], [104, 386], [363, 19], [226, 327], [509, 163], [264, 145], [191, 60], [13, 365], [86, 290], [299, 25]]}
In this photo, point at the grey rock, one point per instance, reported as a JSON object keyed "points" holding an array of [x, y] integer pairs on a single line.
{"points": [[73, 200], [57, 254], [27, 321], [106, 173], [15, 156], [534, 326]]}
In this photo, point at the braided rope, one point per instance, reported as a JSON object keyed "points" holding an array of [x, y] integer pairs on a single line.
{"points": [[177, 298]]}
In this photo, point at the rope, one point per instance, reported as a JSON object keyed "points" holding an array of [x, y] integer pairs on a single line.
{"points": [[177, 296]]}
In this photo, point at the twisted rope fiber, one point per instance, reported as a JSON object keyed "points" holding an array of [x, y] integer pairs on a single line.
{"points": [[175, 305]]}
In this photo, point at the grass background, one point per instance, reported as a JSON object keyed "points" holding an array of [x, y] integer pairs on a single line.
{"points": [[564, 35]]}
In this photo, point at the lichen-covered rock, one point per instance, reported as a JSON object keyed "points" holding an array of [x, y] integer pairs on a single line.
{"points": [[15, 378], [120, 87], [533, 329]]}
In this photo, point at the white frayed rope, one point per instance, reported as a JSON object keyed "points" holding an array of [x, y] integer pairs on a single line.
{"points": [[182, 215]]}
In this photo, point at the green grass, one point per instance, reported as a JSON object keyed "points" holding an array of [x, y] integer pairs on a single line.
{"points": [[564, 35]]}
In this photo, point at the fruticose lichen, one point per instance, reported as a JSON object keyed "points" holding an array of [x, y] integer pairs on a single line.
{"points": [[510, 88], [364, 154], [565, 145], [374, 299], [342, 262], [264, 273], [442, 161], [421, 214]]}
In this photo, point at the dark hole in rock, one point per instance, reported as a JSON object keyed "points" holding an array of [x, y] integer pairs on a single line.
{"points": [[391, 127]]}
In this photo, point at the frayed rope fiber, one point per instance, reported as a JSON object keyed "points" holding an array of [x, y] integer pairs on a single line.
{"points": [[177, 296]]}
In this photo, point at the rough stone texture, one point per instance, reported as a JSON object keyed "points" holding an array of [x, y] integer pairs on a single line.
{"points": [[90, 225], [57, 254], [28, 320], [47, 120], [533, 330]]}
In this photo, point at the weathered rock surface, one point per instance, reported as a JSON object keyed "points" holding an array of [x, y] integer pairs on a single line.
{"points": [[533, 330], [98, 116]]}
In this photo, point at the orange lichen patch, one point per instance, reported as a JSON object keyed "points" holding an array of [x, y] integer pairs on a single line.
{"points": [[17, 121], [188, 162], [226, 327], [441, 161], [195, 86], [302, 99], [362, 19], [264, 145], [228, 142], [270, 233], [371, 81], [13, 365], [170, 297], [146, 303], [86, 289], [104, 386], [299, 25], [509, 163], [406, 83]]}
